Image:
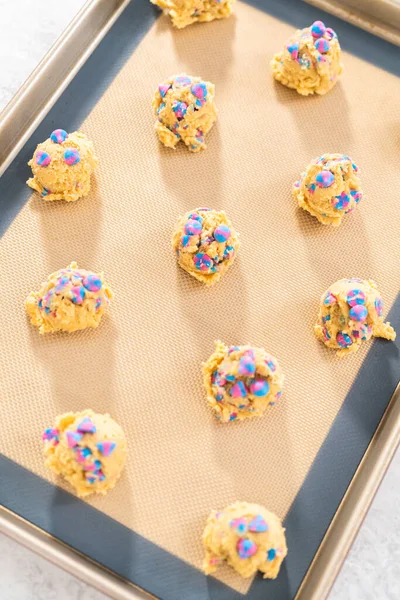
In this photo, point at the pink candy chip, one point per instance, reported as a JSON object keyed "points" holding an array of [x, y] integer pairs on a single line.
{"points": [[322, 45], [73, 438]]}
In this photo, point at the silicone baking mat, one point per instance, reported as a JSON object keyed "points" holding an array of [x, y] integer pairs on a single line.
{"points": [[143, 364]]}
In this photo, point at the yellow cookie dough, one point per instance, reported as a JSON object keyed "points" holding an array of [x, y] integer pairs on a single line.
{"points": [[186, 12], [62, 166], [70, 299], [329, 188], [248, 537], [185, 111], [88, 449], [206, 244], [241, 381], [351, 311], [310, 62]]}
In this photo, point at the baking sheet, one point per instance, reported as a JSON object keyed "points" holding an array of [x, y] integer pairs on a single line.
{"points": [[143, 364]]}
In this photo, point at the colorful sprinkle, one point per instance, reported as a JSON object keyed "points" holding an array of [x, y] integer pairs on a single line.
{"points": [[51, 434], [199, 90], [271, 554], [182, 80], [325, 179], [92, 282], [259, 387], [77, 294], [247, 365], [163, 89], [90, 478], [81, 454], [343, 340], [322, 45], [86, 426], [180, 109], [222, 233], [330, 299], [379, 306], [341, 202], [238, 390], [59, 136], [366, 332], [356, 195], [258, 524], [355, 297], [359, 313], [193, 227], [61, 283], [73, 438], [106, 448], [293, 50], [202, 262], [318, 29], [233, 416], [240, 525], [229, 252], [326, 334], [42, 158], [246, 548], [72, 156]]}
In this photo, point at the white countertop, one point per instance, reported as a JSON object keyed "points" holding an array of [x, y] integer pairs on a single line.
{"points": [[371, 571]]}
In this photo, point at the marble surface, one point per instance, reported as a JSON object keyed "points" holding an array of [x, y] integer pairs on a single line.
{"points": [[372, 569]]}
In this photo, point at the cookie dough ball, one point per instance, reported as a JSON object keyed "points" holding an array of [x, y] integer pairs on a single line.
{"points": [[62, 166], [329, 188], [248, 537], [350, 313], [241, 381], [205, 243], [87, 449], [185, 110], [70, 299], [186, 12], [310, 62]]}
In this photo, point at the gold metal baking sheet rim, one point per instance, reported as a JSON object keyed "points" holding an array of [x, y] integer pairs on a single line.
{"points": [[327, 561], [58, 68], [354, 506], [67, 558]]}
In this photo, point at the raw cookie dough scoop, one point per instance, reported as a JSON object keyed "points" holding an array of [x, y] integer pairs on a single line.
{"points": [[351, 312], [62, 166], [248, 537], [185, 110], [241, 381], [205, 243], [310, 61], [88, 449], [70, 299], [329, 188], [186, 12]]}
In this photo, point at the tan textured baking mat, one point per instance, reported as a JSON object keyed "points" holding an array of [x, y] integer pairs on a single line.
{"points": [[143, 363]]}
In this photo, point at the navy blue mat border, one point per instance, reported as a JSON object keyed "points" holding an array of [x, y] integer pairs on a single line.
{"points": [[95, 534]]}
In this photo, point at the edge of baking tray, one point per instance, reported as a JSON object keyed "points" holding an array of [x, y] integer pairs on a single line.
{"points": [[68, 54], [17, 122], [379, 17], [327, 560]]}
